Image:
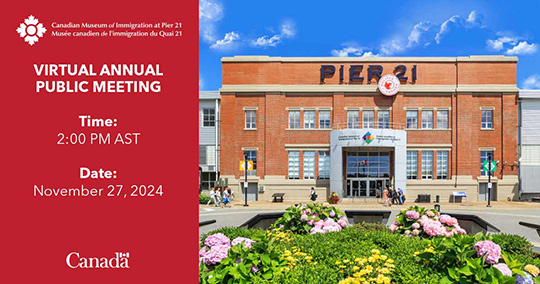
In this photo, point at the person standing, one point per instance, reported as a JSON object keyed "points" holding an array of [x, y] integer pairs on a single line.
{"points": [[394, 196], [313, 194]]}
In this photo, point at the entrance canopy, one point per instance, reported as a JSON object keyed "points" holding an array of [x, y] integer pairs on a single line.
{"points": [[363, 159]]}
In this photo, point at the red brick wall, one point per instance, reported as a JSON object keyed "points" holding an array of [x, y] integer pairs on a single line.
{"points": [[465, 136]]}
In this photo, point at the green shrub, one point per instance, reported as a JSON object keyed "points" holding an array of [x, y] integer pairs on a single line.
{"points": [[513, 244], [203, 198]]}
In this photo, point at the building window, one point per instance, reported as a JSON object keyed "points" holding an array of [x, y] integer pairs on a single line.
{"points": [[487, 119], [294, 119], [324, 165], [294, 165], [442, 164], [252, 156], [353, 119], [324, 119], [427, 164], [209, 117], [442, 119], [384, 118], [484, 157], [202, 155], [208, 180], [309, 165], [412, 164], [368, 117], [251, 119], [412, 119], [309, 119], [427, 119]]}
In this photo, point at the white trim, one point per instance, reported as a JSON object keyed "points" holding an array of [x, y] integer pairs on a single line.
{"points": [[487, 108], [250, 148], [251, 108], [487, 149]]}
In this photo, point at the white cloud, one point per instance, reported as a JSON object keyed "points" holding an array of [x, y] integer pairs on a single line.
{"points": [[523, 48], [473, 20], [532, 82], [498, 43], [287, 31], [391, 47], [416, 33], [210, 12], [369, 54], [201, 82], [445, 27], [349, 49], [227, 42]]}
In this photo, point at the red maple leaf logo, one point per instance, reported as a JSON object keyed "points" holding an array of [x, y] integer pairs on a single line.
{"points": [[388, 85]]}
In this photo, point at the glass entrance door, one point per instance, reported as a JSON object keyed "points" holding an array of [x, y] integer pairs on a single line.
{"points": [[365, 187]]}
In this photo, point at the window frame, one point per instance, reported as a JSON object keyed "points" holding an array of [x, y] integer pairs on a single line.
{"points": [[412, 166], [427, 166], [309, 122], [353, 114], [409, 118], [321, 119], [439, 112], [324, 165], [427, 120], [370, 123], [383, 123], [309, 165], [442, 156], [250, 120], [205, 120], [295, 167], [293, 119], [487, 124]]}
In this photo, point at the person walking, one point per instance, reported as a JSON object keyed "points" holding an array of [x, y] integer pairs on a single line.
{"points": [[212, 197], [385, 196], [226, 199], [401, 196], [394, 196], [313, 194], [219, 196]]}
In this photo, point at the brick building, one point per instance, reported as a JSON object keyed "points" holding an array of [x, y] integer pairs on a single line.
{"points": [[324, 123]]}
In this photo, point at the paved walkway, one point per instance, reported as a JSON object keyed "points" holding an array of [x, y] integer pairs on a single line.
{"points": [[504, 215]]}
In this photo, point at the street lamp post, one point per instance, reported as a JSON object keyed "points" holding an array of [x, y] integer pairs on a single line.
{"points": [[245, 179], [490, 158]]}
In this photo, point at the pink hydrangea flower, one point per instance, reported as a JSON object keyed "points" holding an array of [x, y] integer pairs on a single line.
{"points": [[304, 218], [310, 222], [332, 213], [503, 268], [216, 254], [423, 220], [448, 220], [411, 214], [433, 228], [202, 251], [343, 223], [217, 239], [247, 242], [416, 226], [430, 214], [415, 232], [491, 250], [393, 228]]}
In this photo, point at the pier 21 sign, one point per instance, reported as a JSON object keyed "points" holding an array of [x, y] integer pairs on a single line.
{"points": [[373, 71]]}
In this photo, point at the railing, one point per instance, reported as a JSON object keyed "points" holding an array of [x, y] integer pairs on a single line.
{"points": [[364, 125]]}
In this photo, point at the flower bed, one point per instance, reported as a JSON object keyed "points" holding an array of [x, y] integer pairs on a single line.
{"points": [[417, 221], [365, 253], [312, 218]]}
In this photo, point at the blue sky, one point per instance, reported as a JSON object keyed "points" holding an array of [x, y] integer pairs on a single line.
{"points": [[368, 28]]}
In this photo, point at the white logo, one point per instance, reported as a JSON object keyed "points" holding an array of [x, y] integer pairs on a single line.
{"points": [[389, 85], [31, 30], [119, 260]]}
